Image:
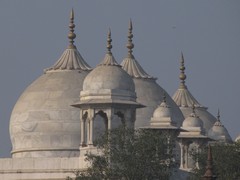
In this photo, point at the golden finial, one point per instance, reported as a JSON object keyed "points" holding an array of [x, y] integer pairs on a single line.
{"points": [[71, 34], [109, 42], [130, 44], [182, 75]]}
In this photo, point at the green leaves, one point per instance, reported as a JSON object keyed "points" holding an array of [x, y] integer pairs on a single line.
{"points": [[226, 161], [131, 155]]}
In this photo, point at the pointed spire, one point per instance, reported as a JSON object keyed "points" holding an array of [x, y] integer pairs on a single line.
{"points": [[71, 59], [182, 75], [164, 101], [130, 64], [164, 97], [218, 122], [209, 174], [71, 34], [218, 115], [109, 59], [130, 44], [109, 42]]}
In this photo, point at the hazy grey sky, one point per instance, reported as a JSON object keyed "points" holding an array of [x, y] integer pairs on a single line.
{"points": [[33, 35]]}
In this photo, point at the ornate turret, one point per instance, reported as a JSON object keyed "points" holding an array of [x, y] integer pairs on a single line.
{"points": [[109, 94], [192, 136]]}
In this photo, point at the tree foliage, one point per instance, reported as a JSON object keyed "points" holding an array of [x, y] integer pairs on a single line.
{"points": [[226, 161], [131, 155]]}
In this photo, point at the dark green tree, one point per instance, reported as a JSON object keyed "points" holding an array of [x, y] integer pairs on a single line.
{"points": [[226, 161], [131, 155]]}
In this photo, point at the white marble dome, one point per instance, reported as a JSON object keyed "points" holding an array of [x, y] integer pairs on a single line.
{"points": [[163, 110], [108, 77], [192, 121], [108, 82], [218, 132], [43, 123]]}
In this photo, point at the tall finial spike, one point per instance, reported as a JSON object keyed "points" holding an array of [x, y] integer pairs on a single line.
{"points": [[109, 42], [164, 97], [182, 75], [71, 34], [218, 115], [130, 44]]}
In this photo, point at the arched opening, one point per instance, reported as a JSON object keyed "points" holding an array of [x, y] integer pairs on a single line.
{"points": [[100, 124]]}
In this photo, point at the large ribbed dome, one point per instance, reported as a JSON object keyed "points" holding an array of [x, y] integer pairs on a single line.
{"points": [[149, 93], [43, 124], [185, 100]]}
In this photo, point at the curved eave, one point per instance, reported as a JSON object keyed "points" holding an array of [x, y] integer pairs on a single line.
{"points": [[134, 69], [186, 136], [109, 60], [71, 59], [183, 98], [97, 102], [162, 127]]}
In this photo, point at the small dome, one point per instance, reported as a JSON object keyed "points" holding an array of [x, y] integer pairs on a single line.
{"points": [[162, 117], [163, 110], [219, 132], [192, 121], [108, 77], [108, 82]]}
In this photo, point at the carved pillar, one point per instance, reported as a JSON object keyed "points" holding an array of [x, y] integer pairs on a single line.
{"points": [[197, 151], [182, 155], [109, 121], [186, 147], [91, 121], [83, 143]]}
